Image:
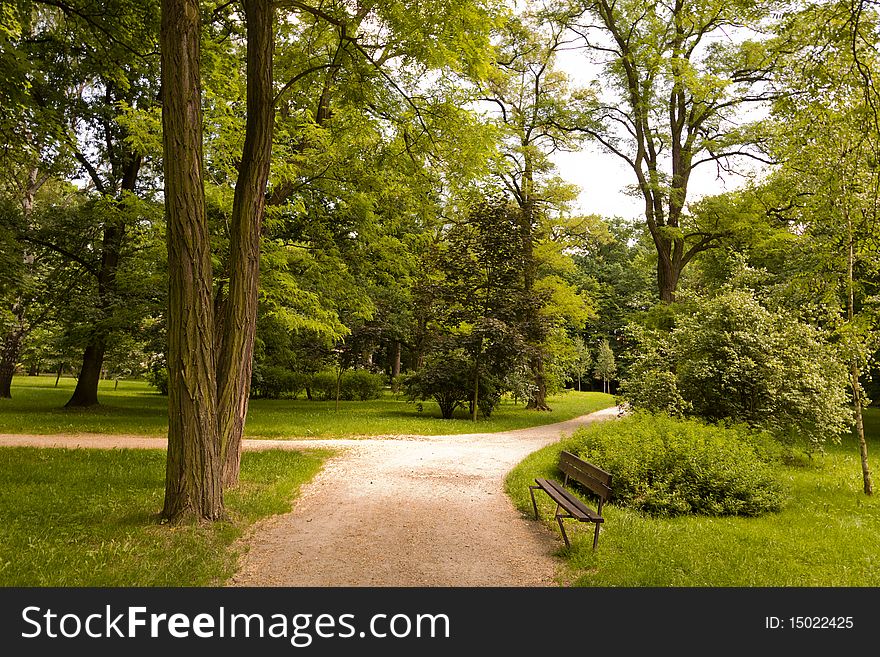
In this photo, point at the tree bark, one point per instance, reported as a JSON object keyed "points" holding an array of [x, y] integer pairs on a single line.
{"points": [[193, 477], [867, 482], [11, 350], [85, 393], [395, 361], [240, 317]]}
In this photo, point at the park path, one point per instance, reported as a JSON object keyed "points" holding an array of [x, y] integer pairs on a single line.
{"points": [[411, 511], [393, 511]]}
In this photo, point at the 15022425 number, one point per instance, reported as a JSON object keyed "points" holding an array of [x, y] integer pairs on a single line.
{"points": [[821, 622]]}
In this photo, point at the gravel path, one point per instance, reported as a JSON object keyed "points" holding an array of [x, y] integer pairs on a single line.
{"points": [[395, 511], [415, 511]]}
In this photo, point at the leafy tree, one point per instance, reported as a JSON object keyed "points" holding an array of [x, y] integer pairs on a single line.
{"points": [[582, 360], [606, 368], [672, 93], [534, 99], [827, 137]]}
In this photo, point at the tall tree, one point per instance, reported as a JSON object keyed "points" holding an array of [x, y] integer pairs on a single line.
{"points": [[534, 100], [672, 95]]}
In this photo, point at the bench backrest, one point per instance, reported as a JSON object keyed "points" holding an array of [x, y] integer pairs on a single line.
{"points": [[587, 475]]}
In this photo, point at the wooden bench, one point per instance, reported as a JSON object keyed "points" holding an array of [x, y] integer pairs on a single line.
{"points": [[594, 479]]}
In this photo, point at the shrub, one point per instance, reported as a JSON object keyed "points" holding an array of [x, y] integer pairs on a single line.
{"points": [[448, 379], [274, 382], [157, 376], [361, 385], [729, 359], [323, 385], [665, 466]]}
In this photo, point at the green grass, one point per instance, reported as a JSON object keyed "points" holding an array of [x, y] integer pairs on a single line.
{"points": [[825, 535], [89, 517], [135, 408]]}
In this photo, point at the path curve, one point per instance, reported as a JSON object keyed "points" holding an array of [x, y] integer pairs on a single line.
{"points": [[392, 511], [415, 511]]}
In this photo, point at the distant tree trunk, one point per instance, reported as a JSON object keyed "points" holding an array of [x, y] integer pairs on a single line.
{"points": [[538, 398], [86, 392], [395, 361], [60, 370], [240, 317], [8, 361], [194, 469]]}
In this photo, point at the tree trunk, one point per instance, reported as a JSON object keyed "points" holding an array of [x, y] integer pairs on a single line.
{"points": [[538, 398], [668, 274], [867, 483], [395, 362], [240, 318], [8, 361], [86, 392], [193, 476]]}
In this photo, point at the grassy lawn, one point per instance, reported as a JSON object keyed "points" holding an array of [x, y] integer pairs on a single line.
{"points": [[826, 535], [135, 408], [88, 517]]}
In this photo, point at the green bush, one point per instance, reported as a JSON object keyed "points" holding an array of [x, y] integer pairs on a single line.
{"points": [[157, 377], [361, 385], [666, 467], [727, 358], [323, 386], [274, 382]]}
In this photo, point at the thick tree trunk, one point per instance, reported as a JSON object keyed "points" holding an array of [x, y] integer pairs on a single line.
{"points": [[86, 392], [193, 477], [668, 273], [538, 398], [240, 318], [8, 361]]}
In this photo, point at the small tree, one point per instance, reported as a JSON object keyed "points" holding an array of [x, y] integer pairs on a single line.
{"points": [[606, 368], [583, 359]]}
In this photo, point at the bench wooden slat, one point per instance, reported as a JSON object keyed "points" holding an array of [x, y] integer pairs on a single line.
{"points": [[595, 479], [569, 501]]}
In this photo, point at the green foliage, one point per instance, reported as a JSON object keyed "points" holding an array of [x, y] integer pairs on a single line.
{"points": [[354, 385], [728, 358], [323, 385], [361, 385], [448, 379], [274, 382], [825, 536], [667, 467], [157, 376]]}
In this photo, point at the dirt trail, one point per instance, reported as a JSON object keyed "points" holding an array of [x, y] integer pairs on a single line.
{"points": [[393, 511], [415, 511]]}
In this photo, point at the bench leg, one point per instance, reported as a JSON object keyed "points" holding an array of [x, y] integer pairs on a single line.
{"points": [[534, 504], [562, 529], [596, 537]]}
